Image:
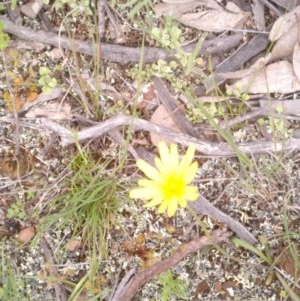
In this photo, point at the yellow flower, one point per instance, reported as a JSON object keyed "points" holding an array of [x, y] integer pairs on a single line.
{"points": [[167, 184]]}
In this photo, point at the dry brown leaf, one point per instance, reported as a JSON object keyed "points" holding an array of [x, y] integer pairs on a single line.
{"points": [[275, 78], [54, 111], [42, 97], [258, 65], [258, 10], [55, 53], [32, 8], [26, 234], [288, 107], [162, 117], [284, 46], [284, 24], [176, 9], [285, 35], [215, 18]]}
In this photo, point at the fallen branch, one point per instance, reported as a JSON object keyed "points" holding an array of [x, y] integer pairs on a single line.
{"points": [[138, 124], [203, 206], [130, 287], [115, 53]]}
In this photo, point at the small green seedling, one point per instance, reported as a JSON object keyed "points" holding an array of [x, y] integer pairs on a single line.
{"points": [[237, 92], [172, 287], [46, 80], [4, 38], [16, 210]]}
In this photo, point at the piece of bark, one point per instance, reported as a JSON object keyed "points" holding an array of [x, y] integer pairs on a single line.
{"points": [[32, 8], [208, 148], [258, 10], [115, 53], [287, 4], [14, 14], [176, 113], [219, 44], [45, 20], [272, 7], [242, 4], [284, 107], [236, 60], [133, 282], [162, 116]]}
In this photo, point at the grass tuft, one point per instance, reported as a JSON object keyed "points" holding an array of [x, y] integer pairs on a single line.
{"points": [[87, 204]]}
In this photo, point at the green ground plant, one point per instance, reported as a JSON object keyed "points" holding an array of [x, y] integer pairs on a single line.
{"points": [[46, 80], [10, 282], [4, 38], [276, 126], [17, 210], [135, 6], [172, 287]]}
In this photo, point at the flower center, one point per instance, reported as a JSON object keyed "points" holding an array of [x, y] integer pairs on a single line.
{"points": [[173, 187]]}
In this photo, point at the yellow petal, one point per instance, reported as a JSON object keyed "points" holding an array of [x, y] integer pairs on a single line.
{"points": [[174, 157], [191, 193], [190, 153], [162, 208], [147, 183], [154, 202], [143, 193], [182, 202], [187, 158], [164, 153], [172, 207], [190, 173], [160, 166], [151, 172]]}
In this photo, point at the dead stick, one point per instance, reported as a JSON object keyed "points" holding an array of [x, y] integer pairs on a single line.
{"points": [[203, 206], [116, 53], [207, 148], [134, 283]]}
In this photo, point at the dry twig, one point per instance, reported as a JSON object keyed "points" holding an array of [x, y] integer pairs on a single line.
{"points": [[134, 282], [203, 206], [115, 53], [207, 148]]}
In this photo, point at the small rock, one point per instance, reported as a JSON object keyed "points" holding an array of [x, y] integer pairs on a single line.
{"points": [[26, 234], [32, 8]]}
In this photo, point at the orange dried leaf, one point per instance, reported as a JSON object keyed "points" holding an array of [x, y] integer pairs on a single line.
{"points": [[9, 101], [72, 245], [32, 96]]}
